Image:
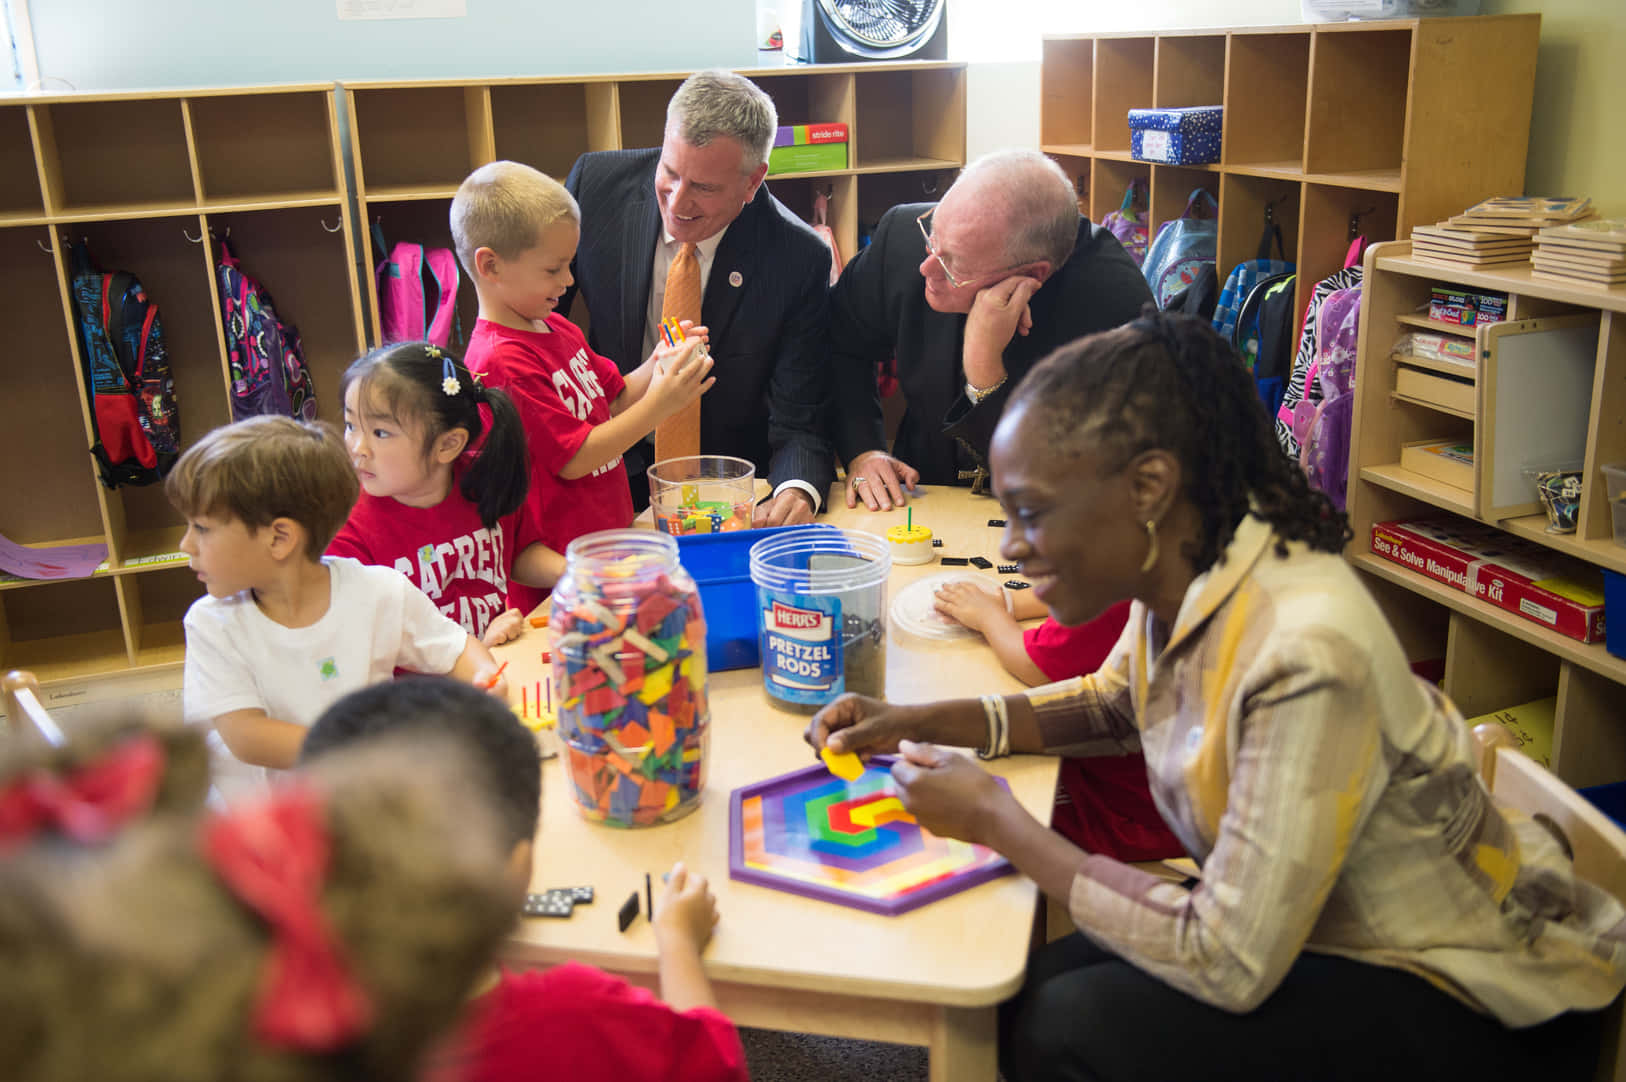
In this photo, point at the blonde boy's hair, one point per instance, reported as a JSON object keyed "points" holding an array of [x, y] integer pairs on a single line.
{"points": [[266, 468], [505, 206]]}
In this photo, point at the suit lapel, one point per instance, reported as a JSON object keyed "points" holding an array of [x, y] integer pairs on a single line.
{"points": [[637, 259]]}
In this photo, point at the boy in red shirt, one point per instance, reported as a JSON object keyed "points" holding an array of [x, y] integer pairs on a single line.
{"points": [[516, 231], [1103, 803], [572, 1021]]}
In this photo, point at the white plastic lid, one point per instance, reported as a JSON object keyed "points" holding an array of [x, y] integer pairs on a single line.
{"points": [[915, 610]]}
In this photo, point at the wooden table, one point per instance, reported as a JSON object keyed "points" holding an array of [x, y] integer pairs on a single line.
{"points": [[930, 977]]}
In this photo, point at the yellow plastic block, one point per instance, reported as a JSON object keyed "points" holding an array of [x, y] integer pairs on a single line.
{"points": [[843, 764]]}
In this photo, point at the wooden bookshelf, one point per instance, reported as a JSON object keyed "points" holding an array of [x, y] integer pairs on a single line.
{"points": [[1324, 123], [152, 181], [1496, 658], [905, 120]]}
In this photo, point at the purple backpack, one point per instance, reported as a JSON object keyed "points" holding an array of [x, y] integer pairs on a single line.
{"points": [[1323, 429], [1128, 222], [417, 294], [268, 373]]}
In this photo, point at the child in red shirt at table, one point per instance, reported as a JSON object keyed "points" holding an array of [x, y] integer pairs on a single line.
{"points": [[437, 503], [571, 1021], [515, 230], [1103, 802]]}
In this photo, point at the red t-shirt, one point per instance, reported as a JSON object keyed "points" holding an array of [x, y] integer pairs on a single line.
{"points": [[1103, 803], [444, 550], [579, 1023], [561, 389]]}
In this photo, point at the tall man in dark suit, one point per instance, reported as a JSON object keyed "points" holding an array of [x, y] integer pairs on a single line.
{"points": [[764, 276], [967, 296]]}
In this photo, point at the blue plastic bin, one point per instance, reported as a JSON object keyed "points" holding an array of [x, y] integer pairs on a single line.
{"points": [[720, 564], [1614, 612]]}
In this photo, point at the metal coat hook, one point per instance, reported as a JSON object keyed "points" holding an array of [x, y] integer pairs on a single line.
{"points": [[195, 240], [41, 246], [1355, 217], [335, 229], [1270, 211], [928, 187]]}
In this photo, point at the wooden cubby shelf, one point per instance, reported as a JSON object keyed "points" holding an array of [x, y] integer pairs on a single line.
{"points": [[260, 165], [906, 141], [1549, 381], [1351, 118]]}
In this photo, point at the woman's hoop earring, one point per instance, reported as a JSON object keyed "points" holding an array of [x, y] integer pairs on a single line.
{"points": [[1151, 547]]}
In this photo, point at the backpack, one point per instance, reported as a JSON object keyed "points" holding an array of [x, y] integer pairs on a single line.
{"points": [[127, 376], [268, 373], [1302, 385], [1181, 248], [413, 305], [1323, 430], [1240, 283], [1264, 336], [1128, 222]]}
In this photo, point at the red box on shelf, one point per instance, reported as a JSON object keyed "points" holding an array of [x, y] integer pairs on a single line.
{"points": [[1508, 572]]}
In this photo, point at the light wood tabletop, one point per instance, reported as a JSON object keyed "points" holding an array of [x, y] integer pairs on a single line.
{"points": [[928, 977]]}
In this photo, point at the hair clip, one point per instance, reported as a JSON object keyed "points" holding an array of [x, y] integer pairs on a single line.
{"points": [[432, 350], [449, 382]]}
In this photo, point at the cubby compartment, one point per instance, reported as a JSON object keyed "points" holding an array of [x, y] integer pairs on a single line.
{"points": [[266, 147], [1244, 201], [301, 257], [643, 110], [549, 125], [48, 489], [60, 630], [880, 192], [1357, 122], [1487, 669], [1172, 188], [908, 119], [798, 193], [418, 140], [154, 604], [1190, 71], [425, 221], [1333, 218], [107, 158], [1066, 108], [1110, 180], [20, 199], [176, 274], [810, 99], [1123, 81], [1264, 103]]}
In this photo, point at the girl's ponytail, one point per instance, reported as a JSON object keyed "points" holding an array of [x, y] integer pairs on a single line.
{"points": [[499, 477]]}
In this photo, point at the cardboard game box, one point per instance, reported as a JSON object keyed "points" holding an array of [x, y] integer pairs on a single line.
{"points": [[1508, 572]]}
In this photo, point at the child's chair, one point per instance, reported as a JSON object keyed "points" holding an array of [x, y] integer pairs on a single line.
{"points": [[1598, 844], [25, 714]]}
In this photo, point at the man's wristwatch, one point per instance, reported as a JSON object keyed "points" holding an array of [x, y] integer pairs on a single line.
{"points": [[977, 394]]}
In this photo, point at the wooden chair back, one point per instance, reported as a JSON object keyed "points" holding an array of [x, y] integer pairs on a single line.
{"points": [[25, 714]]}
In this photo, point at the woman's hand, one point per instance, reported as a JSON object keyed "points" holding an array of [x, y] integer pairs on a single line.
{"points": [[947, 793], [861, 725]]}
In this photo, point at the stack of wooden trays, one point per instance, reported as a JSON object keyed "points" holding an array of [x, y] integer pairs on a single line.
{"points": [[1521, 216], [1590, 253], [1467, 247]]}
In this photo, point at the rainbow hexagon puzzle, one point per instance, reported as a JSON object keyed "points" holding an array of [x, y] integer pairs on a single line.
{"points": [[848, 842]]}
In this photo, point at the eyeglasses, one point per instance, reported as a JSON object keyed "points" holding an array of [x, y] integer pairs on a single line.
{"points": [[931, 246]]}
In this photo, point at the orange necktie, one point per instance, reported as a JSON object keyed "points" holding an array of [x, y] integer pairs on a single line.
{"points": [[679, 435]]}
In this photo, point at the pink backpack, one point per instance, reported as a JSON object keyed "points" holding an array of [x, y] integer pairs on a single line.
{"points": [[413, 306], [1323, 428], [1128, 222]]}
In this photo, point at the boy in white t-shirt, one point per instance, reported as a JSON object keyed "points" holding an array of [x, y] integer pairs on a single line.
{"points": [[284, 631]]}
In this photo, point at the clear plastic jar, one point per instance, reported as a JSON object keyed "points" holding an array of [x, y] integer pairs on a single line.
{"points": [[629, 664]]}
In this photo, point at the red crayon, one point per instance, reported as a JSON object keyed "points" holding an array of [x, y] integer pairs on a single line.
{"points": [[491, 681]]}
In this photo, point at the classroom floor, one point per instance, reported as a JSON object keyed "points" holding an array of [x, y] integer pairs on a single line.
{"points": [[798, 1057]]}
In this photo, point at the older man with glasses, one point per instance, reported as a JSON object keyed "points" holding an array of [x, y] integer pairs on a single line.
{"points": [[966, 295]]}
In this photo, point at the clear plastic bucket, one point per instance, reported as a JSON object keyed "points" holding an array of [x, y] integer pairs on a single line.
{"points": [[702, 494], [821, 615]]}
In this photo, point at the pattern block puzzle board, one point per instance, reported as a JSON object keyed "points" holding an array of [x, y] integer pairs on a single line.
{"points": [[848, 842]]}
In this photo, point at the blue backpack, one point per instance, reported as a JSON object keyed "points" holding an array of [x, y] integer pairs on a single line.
{"points": [[126, 372], [1240, 284], [268, 373], [1181, 249]]}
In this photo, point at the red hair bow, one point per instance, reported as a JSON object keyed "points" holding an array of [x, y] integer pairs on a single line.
{"points": [[273, 855], [89, 803]]}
